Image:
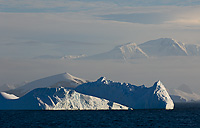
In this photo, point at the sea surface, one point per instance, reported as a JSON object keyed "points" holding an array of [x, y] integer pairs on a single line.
{"points": [[183, 116]]}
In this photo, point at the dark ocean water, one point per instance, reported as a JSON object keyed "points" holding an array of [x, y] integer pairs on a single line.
{"points": [[183, 116]]}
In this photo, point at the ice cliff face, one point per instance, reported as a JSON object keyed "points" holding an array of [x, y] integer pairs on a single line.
{"points": [[58, 99], [136, 97], [161, 94]]}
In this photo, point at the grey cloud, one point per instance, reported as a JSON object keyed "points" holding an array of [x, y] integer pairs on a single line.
{"points": [[142, 18]]}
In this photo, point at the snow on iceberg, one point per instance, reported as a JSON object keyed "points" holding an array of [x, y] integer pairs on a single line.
{"points": [[136, 97], [59, 99], [4, 95], [101, 94]]}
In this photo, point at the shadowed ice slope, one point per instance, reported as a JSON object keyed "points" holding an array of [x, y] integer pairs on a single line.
{"points": [[136, 97]]}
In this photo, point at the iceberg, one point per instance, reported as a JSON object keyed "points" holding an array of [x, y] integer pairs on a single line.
{"points": [[102, 94], [59, 80], [59, 99], [136, 97]]}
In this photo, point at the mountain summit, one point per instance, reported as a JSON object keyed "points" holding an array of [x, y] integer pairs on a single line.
{"points": [[163, 47]]}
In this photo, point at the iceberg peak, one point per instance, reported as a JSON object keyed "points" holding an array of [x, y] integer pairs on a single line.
{"points": [[158, 84], [103, 80]]}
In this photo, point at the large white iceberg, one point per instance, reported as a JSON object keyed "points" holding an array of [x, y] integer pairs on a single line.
{"points": [[58, 99], [53, 93], [136, 97]]}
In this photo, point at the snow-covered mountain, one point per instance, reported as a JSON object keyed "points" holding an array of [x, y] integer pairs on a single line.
{"points": [[58, 99], [126, 51], [153, 48], [60, 80], [192, 49], [136, 97], [163, 47], [184, 94]]}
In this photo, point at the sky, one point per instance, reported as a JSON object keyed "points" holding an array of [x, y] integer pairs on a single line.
{"points": [[63, 27], [34, 28]]}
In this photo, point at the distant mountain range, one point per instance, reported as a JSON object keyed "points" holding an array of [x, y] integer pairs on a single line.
{"points": [[153, 48], [161, 47], [184, 94]]}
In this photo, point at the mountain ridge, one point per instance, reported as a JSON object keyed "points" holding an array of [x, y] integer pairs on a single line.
{"points": [[161, 47], [184, 94]]}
